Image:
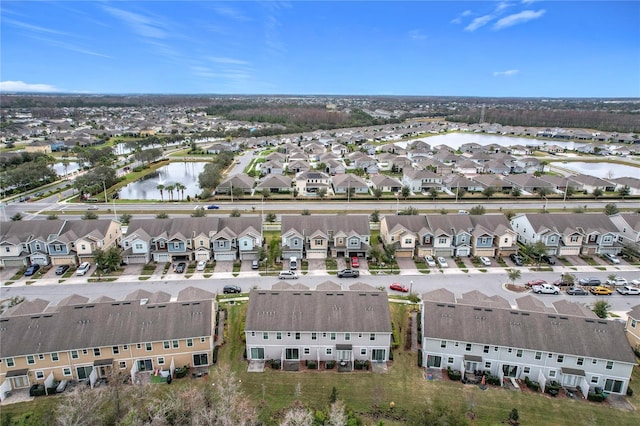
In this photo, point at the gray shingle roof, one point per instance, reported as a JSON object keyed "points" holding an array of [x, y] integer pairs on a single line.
{"points": [[307, 225], [104, 324], [339, 311], [545, 332]]}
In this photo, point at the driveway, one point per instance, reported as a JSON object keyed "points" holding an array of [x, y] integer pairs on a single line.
{"points": [[316, 265], [406, 264], [225, 266], [576, 260]]}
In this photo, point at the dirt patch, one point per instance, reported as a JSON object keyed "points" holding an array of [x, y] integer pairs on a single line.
{"points": [[516, 288]]}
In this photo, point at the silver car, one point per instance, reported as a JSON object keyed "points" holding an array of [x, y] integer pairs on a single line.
{"points": [[430, 261], [442, 262]]}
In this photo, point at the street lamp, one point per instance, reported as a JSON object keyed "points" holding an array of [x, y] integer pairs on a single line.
{"points": [[411, 287], [104, 186]]}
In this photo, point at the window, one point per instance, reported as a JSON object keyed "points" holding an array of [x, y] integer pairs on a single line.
{"points": [[189, 343], [203, 339], [450, 360], [560, 359], [318, 242], [363, 351], [372, 336], [359, 335], [39, 375], [66, 371], [324, 335], [125, 347], [442, 241], [347, 336], [138, 246], [550, 355], [31, 359], [468, 347], [148, 346], [96, 351], [333, 336], [510, 350], [74, 354], [54, 356], [594, 361], [41, 357], [328, 351], [115, 350], [83, 247], [138, 345], [443, 344], [574, 238], [519, 353], [609, 365], [265, 335], [84, 352], [200, 359], [297, 335], [257, 353], [485, 349], [595, 379], [307, 351], [487, 364], [10, 362], [580, 361], [84, 372], [292, 354], [633, 323], [165, 344], [160, 360], [279, 335], [552, 373], [122, 365]]}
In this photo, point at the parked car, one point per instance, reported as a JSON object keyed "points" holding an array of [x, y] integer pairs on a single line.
{"points": [[83, 268], [565, 281], [285, 275], [617, 281], [348, 273], [548, 259], [181, 267], [31, 270], [535, 282], [546, 289], [603, 291], [635, 282], [589, 281], [612, 258], [577, 291], [201, 265], [399, 287], [430, 261], [355, 263], [255, 264], [485, 261], [628, 290], [442, 262], [61, 269], [213, 207], [516, 259], [92, 208], [231, 289]]}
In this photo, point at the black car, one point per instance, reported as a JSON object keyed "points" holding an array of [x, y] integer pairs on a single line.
{"points": [[230, 289], [517, 260], [548, 259], [61, 269], [31, 270], [213, 207], [348, 273], [577, 291], [181, 267]]}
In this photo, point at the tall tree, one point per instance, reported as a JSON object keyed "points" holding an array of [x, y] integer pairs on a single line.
{"points": [[160, 187]]}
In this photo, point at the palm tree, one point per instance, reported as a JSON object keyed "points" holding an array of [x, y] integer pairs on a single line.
{"points": [[170, 189], [514, 274], [160, 187], [180, 187]]}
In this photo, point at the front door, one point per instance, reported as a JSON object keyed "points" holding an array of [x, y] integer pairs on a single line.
{"points": [[570, 381], [434, 361], [20, 382], [470, 366]]}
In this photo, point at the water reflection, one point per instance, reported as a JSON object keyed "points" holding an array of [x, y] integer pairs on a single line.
{"points": [[185, 173], [601, 170]]}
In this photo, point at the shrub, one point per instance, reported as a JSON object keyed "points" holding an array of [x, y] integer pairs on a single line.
{"points": [[419, 358], [493, 380], [552, 388], [596, 397], [181, 371], [275, 364], [311, 365], [531, 384], [214, 358], [395, 342], [329, 365], [629, 391], [454, 375], [390, 355]]}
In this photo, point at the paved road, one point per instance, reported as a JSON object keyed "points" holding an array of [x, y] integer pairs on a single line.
{"points": [[490, 283]]}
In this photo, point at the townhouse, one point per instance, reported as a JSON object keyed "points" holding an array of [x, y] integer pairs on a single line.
{"points": [[304, 325], [75, 340], [311, 181], [632, 328], [568, 234], [55, 242], [322, 236], [238, 182], [628, 225], [421, 180], [349, 184], [192, 239], [577, 352]]}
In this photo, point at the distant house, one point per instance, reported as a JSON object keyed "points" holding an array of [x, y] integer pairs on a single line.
{"points": [[312, 181], [386, 183], [240, 181], [632, 329], [349, 182], [421, 180], [275, 184]]}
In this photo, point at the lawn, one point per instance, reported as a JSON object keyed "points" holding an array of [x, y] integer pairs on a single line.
{"points": [[404, 384]]}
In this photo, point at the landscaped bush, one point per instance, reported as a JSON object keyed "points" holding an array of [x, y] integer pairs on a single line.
{"points": [[419, 358], [596, 397], [214, 358], [493, 380], [329, 365], [629, 391], [531, 384], [181, 371], [552, 388], [454, 375], [312, 365], [395, 342], [275, 364]]}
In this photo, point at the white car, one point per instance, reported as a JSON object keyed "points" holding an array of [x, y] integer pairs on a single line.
{"points": [[284, 275], [612, 258], [442, 262], [635, 282], [546, 289], [201, 265], [627, 290], [485, 261], [430, 261], [618, 281]]}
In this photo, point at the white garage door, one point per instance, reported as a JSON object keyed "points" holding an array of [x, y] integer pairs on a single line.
{"points": [[161, 257], [135, 259], [13, 263], [225, 256]]}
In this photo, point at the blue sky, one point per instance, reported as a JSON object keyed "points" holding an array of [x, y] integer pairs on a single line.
{"points": [[478, 48]]}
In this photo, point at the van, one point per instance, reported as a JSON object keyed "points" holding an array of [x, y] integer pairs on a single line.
{"points": [[83, 268], [293, 263]]}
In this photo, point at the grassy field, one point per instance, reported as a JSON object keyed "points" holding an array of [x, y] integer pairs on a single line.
{"points": [[370, 394]]}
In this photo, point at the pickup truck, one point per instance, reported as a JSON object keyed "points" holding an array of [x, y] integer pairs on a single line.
{"points": [[628, 290], [546, 289], [618, 281]]}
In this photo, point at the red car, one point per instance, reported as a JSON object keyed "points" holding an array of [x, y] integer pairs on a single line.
{"points": [[536, 282], [399, 287], [355, 263]]}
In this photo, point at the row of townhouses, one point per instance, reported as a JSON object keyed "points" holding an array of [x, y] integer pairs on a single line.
{"points": [[219, 238], [84, 340]]}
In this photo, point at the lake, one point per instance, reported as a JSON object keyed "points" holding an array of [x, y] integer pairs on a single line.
{"points": [[601, 170], [185, 173]]}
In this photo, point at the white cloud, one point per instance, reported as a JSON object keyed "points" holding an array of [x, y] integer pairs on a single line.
{"points": [[34, 28], [458, 19], [231, 13], [417, 35], [507, 73], [141, 24], [21, 86], [222, 60], [518, 18], [529, 1], [478, 22]]}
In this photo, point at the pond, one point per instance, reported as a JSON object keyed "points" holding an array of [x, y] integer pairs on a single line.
{"points": [[601, 170], [71, 168], [185, 173]]}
